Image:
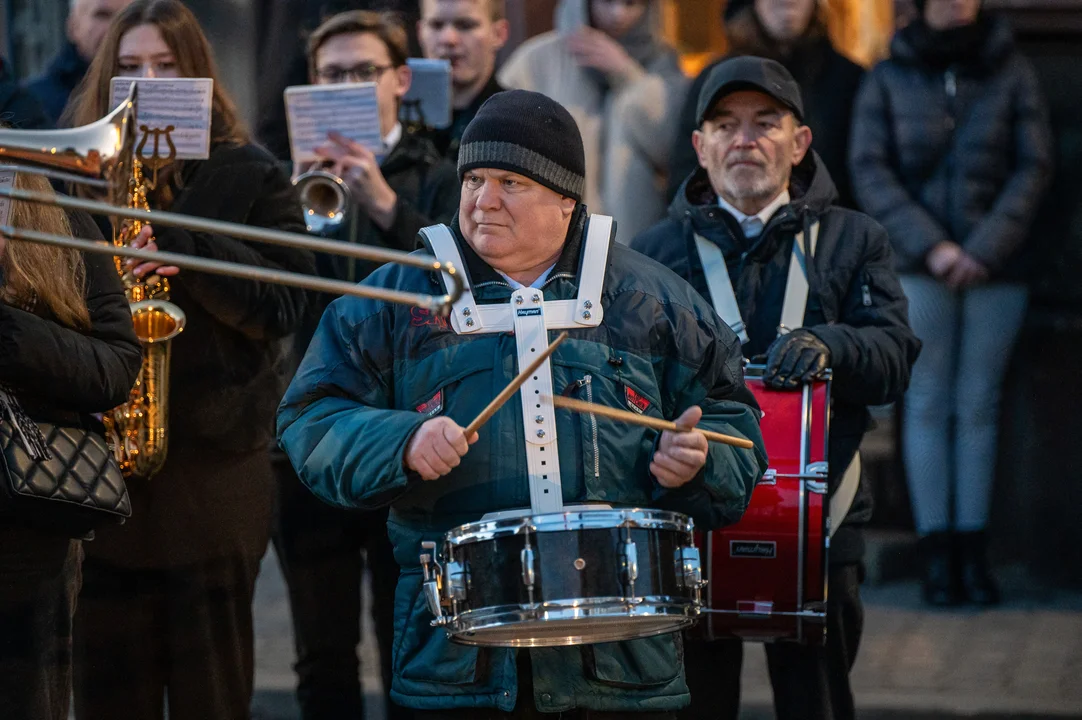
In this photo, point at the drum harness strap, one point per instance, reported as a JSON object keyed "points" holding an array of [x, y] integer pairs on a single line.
{"points": [[531, 317], [792, 317]]}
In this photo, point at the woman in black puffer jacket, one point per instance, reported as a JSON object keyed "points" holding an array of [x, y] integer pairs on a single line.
{"points": [[950, 152], [68, 351]]}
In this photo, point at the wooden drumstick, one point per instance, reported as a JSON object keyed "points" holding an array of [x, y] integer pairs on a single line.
{"points": [[511, 389], [636, 419]]}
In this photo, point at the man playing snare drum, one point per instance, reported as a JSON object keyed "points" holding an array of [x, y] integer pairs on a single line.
{"points": [[376, 413], [761, 202]]}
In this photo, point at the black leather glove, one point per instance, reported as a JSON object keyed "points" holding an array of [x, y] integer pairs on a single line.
{"points": [[794, 359]]}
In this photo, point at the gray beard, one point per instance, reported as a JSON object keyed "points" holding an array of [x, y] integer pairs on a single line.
{"points": [[765, 188]]}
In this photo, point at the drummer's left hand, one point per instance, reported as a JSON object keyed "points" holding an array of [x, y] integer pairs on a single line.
{"points": [[794, 359], [680, 455]]}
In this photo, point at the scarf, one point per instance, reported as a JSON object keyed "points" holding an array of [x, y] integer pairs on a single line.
{"points": [[957, 46]]}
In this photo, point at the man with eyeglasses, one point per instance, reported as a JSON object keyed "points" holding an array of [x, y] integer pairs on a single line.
{"points": [[468, 34], [396, 192]]}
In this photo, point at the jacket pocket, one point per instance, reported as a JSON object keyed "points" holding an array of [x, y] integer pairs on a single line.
{"points": [[615, 455], [635, 664], [424, 655]]}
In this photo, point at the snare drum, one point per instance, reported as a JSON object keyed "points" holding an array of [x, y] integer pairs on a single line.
{"points": [[766, 575], [571, 578]]}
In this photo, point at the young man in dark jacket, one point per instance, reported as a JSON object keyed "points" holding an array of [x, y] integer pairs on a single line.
{"points": [[469, 34], [393, 196], [372, 415], [760, 185], [793, 33]]}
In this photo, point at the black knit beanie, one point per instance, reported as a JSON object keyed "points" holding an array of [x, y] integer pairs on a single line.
{"points": [[530, 134]]}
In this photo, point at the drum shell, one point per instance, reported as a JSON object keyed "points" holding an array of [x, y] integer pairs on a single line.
{"points": [[576, 578], [570, 565], [767, 573]]}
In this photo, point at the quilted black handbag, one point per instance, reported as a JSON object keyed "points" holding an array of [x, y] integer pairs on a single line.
{"points": [[74, 489]]}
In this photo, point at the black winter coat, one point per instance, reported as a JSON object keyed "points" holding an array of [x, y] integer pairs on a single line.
{"points": [[18, 107], [855, 304], [62, 375], [53, 88], [961, 154], [828, 86], [229, 369]]}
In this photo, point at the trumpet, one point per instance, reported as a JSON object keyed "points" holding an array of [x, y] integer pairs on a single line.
{"points": [[326, 199]]}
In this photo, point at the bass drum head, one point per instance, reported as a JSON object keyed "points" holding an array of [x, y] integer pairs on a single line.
{"points": [[559, 628]]}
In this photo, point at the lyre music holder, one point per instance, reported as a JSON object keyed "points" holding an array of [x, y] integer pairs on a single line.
{"points": [[155, 161]]}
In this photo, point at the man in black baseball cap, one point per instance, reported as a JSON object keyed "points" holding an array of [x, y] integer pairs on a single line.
{"points": [[760, 203]]}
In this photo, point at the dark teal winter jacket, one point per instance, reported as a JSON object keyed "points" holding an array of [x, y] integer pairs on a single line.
{"points": [[372, 366]]}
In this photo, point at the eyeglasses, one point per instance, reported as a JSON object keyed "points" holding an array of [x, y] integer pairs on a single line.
{"points": [[357, 73]]}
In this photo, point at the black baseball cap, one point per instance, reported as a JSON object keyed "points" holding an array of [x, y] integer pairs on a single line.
{"points": [[750, 73]]}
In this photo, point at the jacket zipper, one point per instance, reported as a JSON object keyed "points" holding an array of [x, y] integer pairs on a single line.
{"points": [[950, 86], [866, 295], [587, 382]]}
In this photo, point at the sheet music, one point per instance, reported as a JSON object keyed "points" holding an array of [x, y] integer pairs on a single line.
{"points": [[184, 103], [7, 182], [430, 93], [313, 111]]}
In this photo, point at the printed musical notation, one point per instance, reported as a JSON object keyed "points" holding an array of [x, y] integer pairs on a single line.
{"points": [[313, 111], [7, 181], [184, 103]]}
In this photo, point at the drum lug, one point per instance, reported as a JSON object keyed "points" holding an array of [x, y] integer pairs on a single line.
{"points": [[689, 569], [455, 576], [631, 564], [431, 587]]}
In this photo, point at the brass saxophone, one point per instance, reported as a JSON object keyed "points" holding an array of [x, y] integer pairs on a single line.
{"points": [[138, 430]]}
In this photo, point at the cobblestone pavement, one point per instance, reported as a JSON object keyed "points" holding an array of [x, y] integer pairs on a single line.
{"points": [[1021, 660]]}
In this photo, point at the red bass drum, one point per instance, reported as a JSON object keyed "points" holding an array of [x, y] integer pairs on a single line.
{"points": [[766, 574]]}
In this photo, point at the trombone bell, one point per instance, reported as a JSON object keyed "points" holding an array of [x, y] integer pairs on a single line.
{"points": [[326, 200], [102, 149]]}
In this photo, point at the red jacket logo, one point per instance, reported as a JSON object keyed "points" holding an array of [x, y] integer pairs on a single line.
{"points": [[637, 403], [431, 408], [420, 317]]}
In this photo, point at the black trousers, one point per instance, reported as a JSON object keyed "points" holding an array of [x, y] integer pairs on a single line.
{"points": [[185, 632], [810, 683], [39, 582], [319, 549]]}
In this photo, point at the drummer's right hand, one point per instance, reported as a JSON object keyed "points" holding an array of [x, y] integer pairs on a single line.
{"points": [[437, 448]]}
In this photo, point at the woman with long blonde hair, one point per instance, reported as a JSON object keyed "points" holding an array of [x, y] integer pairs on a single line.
{"points": [[166, 605], [67, 350]]}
